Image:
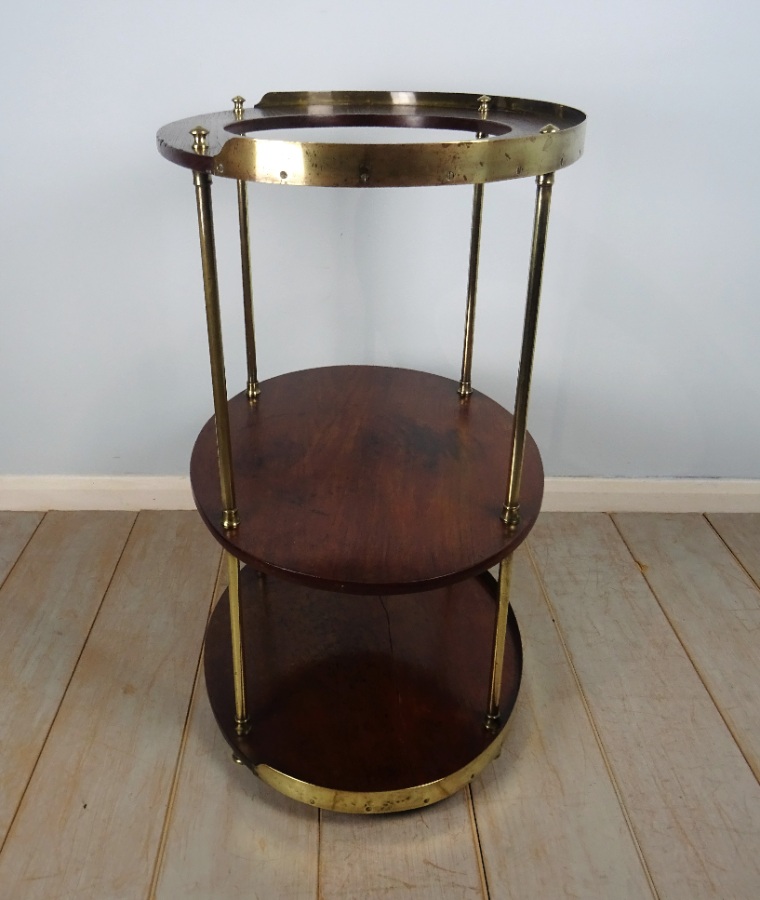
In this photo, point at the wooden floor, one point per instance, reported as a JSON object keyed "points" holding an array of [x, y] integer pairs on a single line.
{"points": [[630, 769]]}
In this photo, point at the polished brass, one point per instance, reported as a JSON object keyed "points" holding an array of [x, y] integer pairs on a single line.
{"points": [[242, 724], [202, 181], [199, 134], [493, 718], [369, 802], [465, 382], [513, 146], [511, 511], [237, 106], [252, 386]]}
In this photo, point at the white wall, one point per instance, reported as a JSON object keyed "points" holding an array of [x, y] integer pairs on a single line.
{"points": [[647, 361]]}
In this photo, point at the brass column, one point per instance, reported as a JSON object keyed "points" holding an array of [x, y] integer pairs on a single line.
{"points": [[230, 519], [253, 390], [511, 511], [202, 183], [242, 724], [465, 382], [500, 637]]}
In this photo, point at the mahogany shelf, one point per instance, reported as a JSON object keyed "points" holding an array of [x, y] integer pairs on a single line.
{"points": [[367, 479], [375, 704]]}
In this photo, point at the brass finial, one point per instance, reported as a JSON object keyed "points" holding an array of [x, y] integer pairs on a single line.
{"points": [[483, 102], [238, 102], [199, 143], [549, 129]]}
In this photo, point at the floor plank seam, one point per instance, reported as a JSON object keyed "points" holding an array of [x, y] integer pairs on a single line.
{"points": [[728, 547], [592, 723], [161, 849], [478, 846], [68, 682], [686, 650], [22, 551]]}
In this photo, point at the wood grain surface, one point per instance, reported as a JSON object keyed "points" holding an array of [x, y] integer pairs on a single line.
{"points": [[47, 606], [16, 529], [692, 800], [367, 479], [714, 607], [264, 845], [378, 695], [101, 786], [549, 820]]}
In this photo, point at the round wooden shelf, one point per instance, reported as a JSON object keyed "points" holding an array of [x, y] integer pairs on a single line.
{"points": [[368, 480], [363, 707]]}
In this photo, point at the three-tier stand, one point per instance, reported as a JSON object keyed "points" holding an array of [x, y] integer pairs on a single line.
{"points": [[363, 659]]}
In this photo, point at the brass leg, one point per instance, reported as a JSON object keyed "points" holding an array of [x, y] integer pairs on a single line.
{"points": [[499, 642], [253, 388], [465, 383], [511, 511], [236, 632], [202, 183]]}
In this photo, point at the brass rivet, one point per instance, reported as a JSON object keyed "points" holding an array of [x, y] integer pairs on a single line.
{"points": [[238, 102], [549, 129], [483, 102]]}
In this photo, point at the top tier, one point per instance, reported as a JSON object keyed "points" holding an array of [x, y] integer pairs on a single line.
{"points": [[509, 138]]}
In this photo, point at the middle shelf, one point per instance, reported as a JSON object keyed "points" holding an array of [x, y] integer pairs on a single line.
{"points": [[367, 479]]}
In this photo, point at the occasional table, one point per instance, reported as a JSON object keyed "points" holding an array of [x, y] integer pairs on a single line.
{"points": [[363, 659]]}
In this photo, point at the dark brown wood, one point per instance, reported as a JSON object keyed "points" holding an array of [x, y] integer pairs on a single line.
{"points": [[368, 480], [380, 695]]}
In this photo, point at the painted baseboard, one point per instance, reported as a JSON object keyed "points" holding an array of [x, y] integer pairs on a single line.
{"points": [[43, 492]]}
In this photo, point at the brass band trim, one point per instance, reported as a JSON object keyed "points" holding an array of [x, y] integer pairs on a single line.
{"points": [[516, 141], [373, 802]]}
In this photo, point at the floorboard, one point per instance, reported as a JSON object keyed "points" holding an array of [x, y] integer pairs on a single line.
{"points": [[90, 822], [430, 853], [741, 534], [619, 777], [714, 607], [264, 845], [549, 820], [692, 800], [48, 603], [16, 529]]}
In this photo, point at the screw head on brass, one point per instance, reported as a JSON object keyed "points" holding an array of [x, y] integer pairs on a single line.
{"points": [[199, 134], [237, 105]]}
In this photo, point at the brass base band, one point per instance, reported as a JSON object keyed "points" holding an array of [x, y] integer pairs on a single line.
{"points": [[373, 802]]}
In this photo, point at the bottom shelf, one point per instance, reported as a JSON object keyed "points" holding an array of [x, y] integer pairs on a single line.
{"points": [[363, 704]]}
